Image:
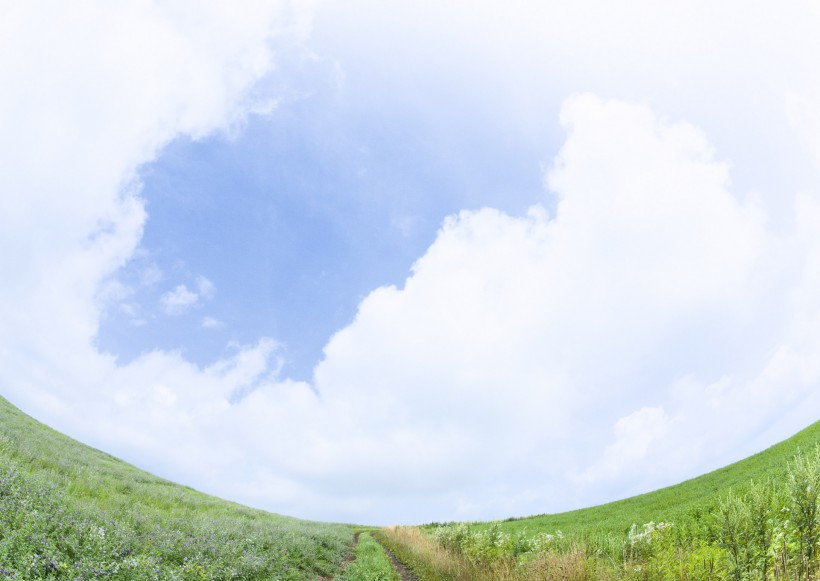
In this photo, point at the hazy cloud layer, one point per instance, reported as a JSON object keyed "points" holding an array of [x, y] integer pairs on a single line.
{"points": [[657, 322]]}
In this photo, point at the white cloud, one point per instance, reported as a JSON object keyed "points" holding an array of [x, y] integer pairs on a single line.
{"points": [[634, 435], [181, 299], [133, 312], [150, 276], [521, 345], [512, 330], [178, 301], [205, 288], [655, 319], [803, 109], [211, 323]]}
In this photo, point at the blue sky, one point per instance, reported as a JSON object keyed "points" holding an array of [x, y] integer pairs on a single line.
{"points": [[418, 261], [303, 212]]}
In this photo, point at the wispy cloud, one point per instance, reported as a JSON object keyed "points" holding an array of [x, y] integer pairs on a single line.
{"points": [[212, 323], [205, 288], [181, 299]]}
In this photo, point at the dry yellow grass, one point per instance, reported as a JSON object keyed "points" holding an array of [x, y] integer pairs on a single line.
{"points": [[430, 561]]}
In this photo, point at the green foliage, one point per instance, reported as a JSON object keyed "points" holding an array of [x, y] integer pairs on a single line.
{"points": [[642, 542], [489, 543], [802, 509], [697, 561], [762, 502], [371, 564], [68, 511], [734, 519], [767, 527], [745, 530]]}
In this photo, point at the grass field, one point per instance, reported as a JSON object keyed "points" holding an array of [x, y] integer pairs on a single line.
{"points": [[68, 511], [71, 512], [755, 519]]}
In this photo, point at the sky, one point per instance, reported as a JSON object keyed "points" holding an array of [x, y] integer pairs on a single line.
{"points": [[412, 261]]}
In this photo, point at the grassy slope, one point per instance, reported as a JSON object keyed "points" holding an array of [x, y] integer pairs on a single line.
{"points": [[144, 506], [682, 502], [183, 533]]}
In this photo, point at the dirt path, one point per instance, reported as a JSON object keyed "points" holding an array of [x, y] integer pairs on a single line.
{"points": [[404, 573], [401, 569], [352, 556], [348, 558]]}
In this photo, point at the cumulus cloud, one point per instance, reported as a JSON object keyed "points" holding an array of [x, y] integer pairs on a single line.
{"points": [[650, 322], [512, 371], [530, 362], [516, 338]]}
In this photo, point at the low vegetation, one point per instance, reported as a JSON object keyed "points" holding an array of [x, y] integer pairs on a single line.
{"points": [[371, 563], [758, 519], [68, 511]]}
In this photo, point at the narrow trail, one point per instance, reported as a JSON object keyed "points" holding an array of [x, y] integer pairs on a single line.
{"points": [[352, 556], [401, 568], [348, 559]]}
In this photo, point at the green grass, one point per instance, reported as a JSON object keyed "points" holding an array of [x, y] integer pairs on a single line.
{"points": [[688, 501], [371, 564], [756, 519], [68, 511]]}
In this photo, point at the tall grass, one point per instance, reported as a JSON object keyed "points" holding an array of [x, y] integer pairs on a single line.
{"points": [[768, 529], [430, 560], [802, 510]]}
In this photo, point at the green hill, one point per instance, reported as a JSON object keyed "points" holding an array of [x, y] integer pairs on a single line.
{"points": [[756, 519], [687, 501], [70, 511]]}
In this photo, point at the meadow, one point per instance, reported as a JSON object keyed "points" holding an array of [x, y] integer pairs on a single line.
{"points": [[756, 519], [68, 511]]}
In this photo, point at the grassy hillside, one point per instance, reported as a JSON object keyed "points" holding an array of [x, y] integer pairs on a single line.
{"points": [[687, 501], [755, 519], [69, 511]]}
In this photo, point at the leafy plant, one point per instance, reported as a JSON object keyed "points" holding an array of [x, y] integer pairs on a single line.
{"points": [[802, 509]]}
